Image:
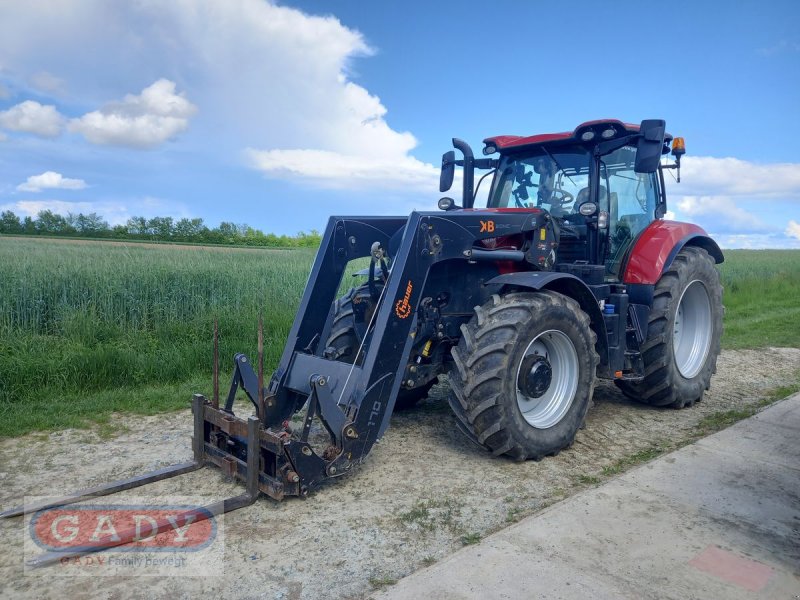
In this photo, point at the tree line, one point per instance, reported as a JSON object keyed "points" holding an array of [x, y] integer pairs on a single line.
{"points": [[162, 229]]}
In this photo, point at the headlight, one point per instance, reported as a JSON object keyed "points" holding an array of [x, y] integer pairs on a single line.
{"points": [[446, 203], [587, 136], [587, 209]]}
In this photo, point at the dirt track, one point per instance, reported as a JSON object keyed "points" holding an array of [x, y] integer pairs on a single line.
{"points": [[420, 494]]}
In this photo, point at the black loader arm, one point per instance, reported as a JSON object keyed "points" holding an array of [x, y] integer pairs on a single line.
{"points": [[354, 402]]}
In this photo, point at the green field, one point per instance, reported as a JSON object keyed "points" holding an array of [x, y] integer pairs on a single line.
{"points": [[762, 298], [88, 328]]}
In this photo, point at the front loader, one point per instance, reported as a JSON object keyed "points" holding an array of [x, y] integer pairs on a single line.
{"points": [[568, 274]]}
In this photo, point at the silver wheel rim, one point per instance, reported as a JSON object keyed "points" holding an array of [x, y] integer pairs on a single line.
{"points": [[691, 331], [549, 408]]}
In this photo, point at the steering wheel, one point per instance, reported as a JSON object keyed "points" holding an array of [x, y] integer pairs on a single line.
{"points": [[561, 197]]}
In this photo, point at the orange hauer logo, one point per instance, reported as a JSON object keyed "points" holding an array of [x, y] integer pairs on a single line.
{"points": [[487, 226], [403, 306]]}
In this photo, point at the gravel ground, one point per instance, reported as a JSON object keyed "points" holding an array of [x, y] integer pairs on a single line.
{"points": [[422, 493]]}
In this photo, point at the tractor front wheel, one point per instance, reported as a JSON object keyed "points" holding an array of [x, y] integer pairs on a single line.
{"points": [[683, 334], [523, 374]]}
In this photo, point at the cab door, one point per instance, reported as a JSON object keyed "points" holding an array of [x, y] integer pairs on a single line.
{"points": [[632, 201]]}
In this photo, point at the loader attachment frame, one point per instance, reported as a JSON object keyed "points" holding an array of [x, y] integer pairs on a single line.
{"points": [[354, 401]]}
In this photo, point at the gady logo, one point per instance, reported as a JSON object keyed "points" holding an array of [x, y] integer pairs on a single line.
{"points": [[91, 528]]}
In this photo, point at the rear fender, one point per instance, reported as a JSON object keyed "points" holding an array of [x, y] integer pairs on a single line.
{"points": [[658, 245], [566, 284]]}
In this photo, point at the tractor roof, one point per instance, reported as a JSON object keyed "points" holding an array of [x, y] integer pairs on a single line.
{"points": [[517, 142]]}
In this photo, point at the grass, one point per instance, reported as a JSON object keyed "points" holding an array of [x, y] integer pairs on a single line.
{"points": [[782, 392], [87, 328], [643, 456], [584, 479], [77, 409], [722, 419], [470, 538], [92, 328], [514, 514], [429, 515], [419, 513], [761, 291], [381, 581]]}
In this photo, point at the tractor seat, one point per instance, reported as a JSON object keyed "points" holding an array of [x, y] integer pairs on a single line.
{"points": [[583, 196]]}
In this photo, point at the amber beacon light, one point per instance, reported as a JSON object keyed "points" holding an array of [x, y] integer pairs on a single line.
{"points": [[678, 147], [678, 150]]}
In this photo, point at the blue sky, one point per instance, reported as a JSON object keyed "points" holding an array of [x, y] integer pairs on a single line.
{"points": [[278, 115]]}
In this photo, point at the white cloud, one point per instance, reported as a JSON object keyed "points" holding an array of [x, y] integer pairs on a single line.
{"points": [[793, 229], [707, 175], [756, 241], [116, 212], [779, 48], [731, 198], [723, 210], [47, 82], [50, 180], [155, 116], [31, 117], [266, 77], [331, 169]]}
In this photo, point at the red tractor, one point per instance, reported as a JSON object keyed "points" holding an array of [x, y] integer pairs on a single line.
{"points": [[569, 274]]}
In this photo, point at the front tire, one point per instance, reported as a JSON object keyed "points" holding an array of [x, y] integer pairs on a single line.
{"points": [[523, 374], [683, 334]]}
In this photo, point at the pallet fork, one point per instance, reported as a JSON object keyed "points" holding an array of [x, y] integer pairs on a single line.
{"points": [[201, 410]]}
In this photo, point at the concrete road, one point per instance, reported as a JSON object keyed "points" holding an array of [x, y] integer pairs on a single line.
{"points": [[717, 519]]}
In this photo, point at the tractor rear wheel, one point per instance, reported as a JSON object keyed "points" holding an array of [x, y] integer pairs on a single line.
{"points": [[683, 334], [523, 374], [344, 342]]}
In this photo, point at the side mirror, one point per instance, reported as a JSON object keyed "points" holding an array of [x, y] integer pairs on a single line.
{"points": [[448, 171], [649, 146]]}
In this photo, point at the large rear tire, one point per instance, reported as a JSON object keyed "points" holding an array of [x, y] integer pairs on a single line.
{"points": [[683, 334], [343, 344], [523, 374]]}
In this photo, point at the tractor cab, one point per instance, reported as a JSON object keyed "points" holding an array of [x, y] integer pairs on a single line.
{"points": [[601, 185], [558, 180]]}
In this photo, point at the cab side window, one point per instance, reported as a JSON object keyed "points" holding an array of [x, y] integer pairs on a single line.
{"points": [[632, 203]]}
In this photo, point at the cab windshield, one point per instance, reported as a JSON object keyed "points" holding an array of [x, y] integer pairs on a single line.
{"points": [[557, 180], [553, 180]]}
